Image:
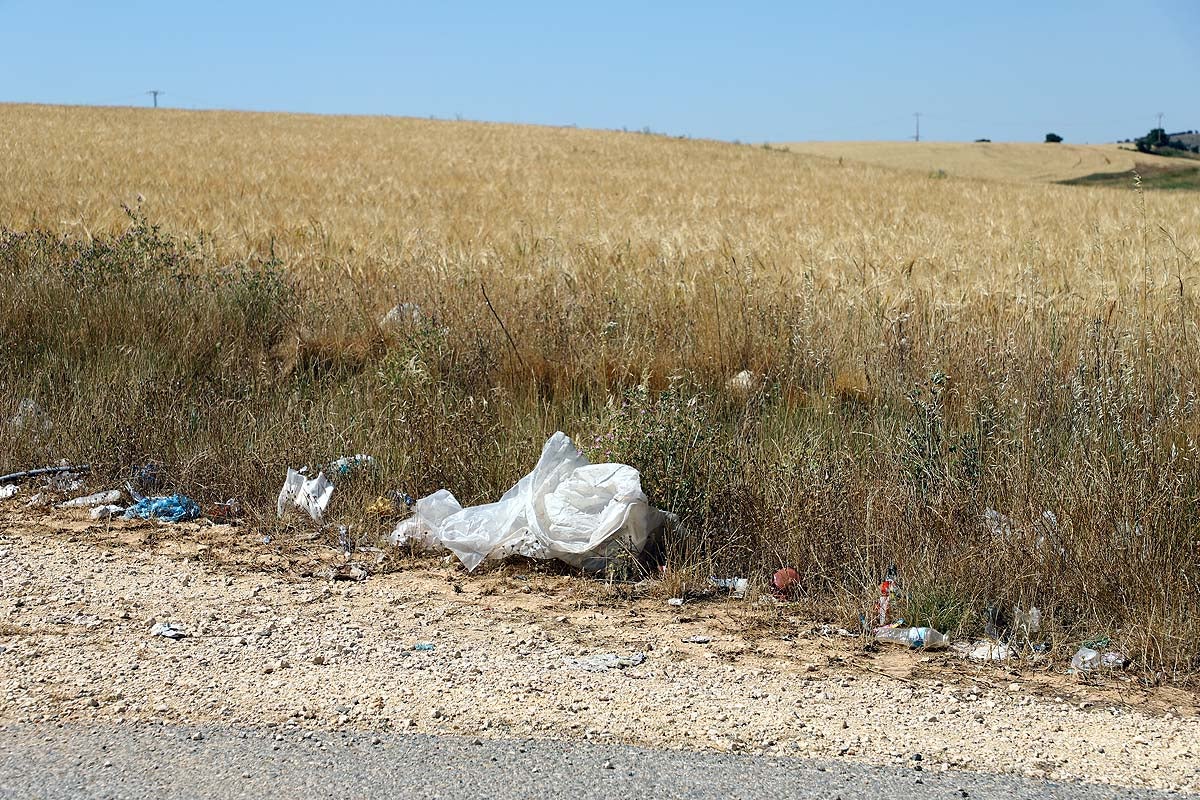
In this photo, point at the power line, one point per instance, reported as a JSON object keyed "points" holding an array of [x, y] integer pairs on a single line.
{"points": [[155, 93]]}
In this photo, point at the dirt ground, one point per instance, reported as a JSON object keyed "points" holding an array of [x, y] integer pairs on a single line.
{"points": [[518, 651]]}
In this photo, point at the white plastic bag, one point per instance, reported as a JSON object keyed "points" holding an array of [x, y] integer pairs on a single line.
{"points": [[312, 495], [566, 508], [92, 500]]}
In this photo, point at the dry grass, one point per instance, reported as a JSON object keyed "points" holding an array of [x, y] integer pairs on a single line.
{"points": [[923, 349], [1004, 161]]}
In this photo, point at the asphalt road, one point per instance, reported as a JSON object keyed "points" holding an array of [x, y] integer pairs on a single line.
{"points": [[152, 761]]}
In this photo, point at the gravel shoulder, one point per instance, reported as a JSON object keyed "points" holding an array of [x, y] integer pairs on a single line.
{"points": [[269, 648]]}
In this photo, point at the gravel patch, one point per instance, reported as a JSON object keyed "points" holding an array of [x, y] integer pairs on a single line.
{"points": [[434, 651]]}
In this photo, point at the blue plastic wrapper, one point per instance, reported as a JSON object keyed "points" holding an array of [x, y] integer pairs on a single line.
{"points": [[175, 508]]}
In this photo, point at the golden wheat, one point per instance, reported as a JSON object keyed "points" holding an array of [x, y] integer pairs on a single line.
{"points": [[1005, 161], [381, 192]]}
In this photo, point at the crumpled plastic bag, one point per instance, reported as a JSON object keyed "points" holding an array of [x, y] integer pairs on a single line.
{"points": [[90, 501], [173, 508], [566, 508], [310, 494]]}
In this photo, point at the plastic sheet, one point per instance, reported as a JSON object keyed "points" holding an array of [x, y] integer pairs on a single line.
{"points": [[566, 508], [312, 495]]}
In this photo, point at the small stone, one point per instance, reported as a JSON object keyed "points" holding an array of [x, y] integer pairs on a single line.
{"points": [[198, 736], [436, 713], [1014, 687], [609, 765], [318, 659], [376, 740]]}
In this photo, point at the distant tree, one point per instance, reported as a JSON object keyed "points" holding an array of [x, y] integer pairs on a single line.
{"points": [[982, 140], [1157, 137], [1053, 138]]}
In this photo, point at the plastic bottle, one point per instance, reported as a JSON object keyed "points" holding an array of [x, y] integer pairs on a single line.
{"points": [[889, 587], [926, 638], [1085, 659]]}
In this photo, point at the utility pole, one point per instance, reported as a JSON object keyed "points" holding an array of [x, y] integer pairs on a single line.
{"points": [[155, 93], [1160, 116], [918, 136]]}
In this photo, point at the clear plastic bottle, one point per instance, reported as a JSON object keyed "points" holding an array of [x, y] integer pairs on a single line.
{"points": [[925, 638]]}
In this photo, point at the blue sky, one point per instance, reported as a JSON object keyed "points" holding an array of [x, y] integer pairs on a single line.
{"points": [[1091, 71]]}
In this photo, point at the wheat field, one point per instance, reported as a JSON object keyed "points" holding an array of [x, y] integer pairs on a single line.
{"points": [[211, 291], [1022, 162], [320, 187]]}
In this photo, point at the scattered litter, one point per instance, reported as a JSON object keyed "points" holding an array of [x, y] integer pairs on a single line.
{"points": [[829, 630], [227, 513], [400, 315], [108, 511], [8, 491], [1113, 660], [34, 473], [916, 638], [889, 587], [742, 384], [606, 661], [312, 495], [983, 650], [149, 476], [675, 601], [424, 647], [64, 482], [786, 580], [97, 499], [698, 639], [342, 572], [566, 508], [737, 586], [169, 630], [1028, 622], [348, 464], [172, 508], [997, 524], [350, 572], [30, 417], [1087, 659]]}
